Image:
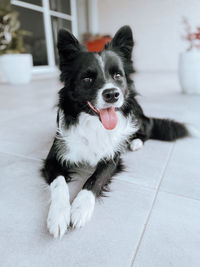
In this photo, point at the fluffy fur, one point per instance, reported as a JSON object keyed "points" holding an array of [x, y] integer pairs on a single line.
{"points": [[89, 146], [95, 83], [82, 208], [59, 212]]}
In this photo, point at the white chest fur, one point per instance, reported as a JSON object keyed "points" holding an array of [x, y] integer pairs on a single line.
{"points": [[89, 141]]}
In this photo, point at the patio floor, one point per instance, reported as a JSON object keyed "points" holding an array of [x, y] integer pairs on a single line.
{"points": [[152, 215]]}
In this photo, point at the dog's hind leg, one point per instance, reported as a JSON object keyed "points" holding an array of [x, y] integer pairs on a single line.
{"points": [[136, 144], [83, 205]]}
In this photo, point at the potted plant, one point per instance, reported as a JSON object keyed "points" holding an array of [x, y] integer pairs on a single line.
{"points": [[189, 61], [15, 63]]}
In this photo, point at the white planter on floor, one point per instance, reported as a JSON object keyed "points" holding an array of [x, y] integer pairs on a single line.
{"points": [[16, 68], [189, 72]]}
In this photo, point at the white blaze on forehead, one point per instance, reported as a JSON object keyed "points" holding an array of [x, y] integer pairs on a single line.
{"points": [[100, 103], [101, 63]]}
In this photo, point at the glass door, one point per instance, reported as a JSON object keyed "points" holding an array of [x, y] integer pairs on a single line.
{"points": [[42, 19]]}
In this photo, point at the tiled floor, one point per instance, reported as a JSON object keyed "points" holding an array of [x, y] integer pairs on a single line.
{"points": [[152, 215]]}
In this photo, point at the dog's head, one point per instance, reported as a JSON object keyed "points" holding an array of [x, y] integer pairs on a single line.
{"points": [[96, 82]]}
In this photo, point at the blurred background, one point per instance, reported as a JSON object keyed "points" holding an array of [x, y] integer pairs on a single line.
{"points": [[151, 218], [157, 26]]}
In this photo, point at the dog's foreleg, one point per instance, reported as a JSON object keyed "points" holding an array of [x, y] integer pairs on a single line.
{"points": [[83, 205], [59, 212]]}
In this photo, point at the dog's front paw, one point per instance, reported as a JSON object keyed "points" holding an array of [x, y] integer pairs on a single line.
{"points": [[136, 144], [58, 220], [82, 208]]}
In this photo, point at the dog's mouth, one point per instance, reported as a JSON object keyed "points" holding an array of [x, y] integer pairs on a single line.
{"points": [[108, 116]]}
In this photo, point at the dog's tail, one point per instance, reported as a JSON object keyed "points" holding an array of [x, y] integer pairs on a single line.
{"points": [[167, 130], [162, 129]]}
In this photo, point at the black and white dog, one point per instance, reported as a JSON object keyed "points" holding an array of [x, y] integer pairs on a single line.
{"points": [[98, 118]]}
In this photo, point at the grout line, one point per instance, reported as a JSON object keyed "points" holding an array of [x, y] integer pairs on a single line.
{"points": [[20, 156], [155, 188], [179, 195], [134, 183], [153, 204], [26, 114]]}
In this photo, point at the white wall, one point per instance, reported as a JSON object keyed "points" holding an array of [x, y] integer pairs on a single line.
{"points": [[82, 17], [157, 27]]}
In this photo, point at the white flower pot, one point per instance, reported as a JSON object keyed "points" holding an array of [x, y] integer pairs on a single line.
{"points": [[16, 68], [189, 72]]}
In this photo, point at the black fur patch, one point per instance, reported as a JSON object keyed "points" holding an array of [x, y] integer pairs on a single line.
{"points": [[168, 130]]}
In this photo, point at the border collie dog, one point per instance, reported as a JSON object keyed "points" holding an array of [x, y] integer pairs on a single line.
{"points": [[98, 118]]}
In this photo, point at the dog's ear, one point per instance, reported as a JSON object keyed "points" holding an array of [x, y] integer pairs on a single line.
{"points": [[68, 46], [123, 41]]}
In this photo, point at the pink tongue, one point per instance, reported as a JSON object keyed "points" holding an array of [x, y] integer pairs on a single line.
{"points": [[108, 118]]}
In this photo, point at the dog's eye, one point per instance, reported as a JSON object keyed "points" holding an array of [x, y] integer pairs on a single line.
{"points": [[117, 76], [87, 80]]}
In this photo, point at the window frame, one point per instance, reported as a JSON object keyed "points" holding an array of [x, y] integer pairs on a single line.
{"points": [[47, 13]]}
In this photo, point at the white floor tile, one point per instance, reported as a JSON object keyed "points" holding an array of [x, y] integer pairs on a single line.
{"points": [[172, 236], [28, 133], [27, 127], [183, 171], [109, 239], [145, 166]]}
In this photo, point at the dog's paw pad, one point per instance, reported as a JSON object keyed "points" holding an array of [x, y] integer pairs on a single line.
{"points": [[82, 208], [136, 144], [58, 220]]}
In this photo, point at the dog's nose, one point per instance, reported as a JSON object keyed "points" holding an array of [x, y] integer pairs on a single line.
{"points": [[110, 95]]}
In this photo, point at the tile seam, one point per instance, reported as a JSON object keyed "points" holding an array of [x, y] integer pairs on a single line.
{"points": [[153, 204]]}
